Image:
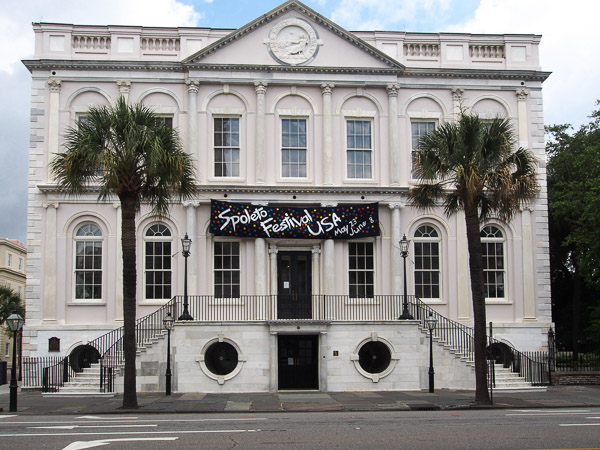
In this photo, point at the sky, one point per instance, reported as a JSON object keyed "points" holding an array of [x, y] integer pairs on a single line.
{"points": [[570, 49]]}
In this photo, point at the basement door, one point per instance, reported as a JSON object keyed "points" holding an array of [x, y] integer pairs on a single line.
{"points": [[298, 358], [294, 285]]}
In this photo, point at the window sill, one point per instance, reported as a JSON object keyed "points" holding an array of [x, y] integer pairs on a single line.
{"points": [[88, 303], [498, 301], [154, 302]]}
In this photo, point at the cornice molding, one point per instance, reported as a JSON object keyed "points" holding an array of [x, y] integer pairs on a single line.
{"points": [[529, 75], [229, 189]]}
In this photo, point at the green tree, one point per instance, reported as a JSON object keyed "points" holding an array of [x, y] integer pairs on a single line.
{"points": [[472, 165], [574, 201], [9, 303], [124, 151]]}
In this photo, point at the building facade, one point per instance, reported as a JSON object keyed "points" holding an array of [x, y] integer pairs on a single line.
{"points": [[303, 135], [13, 260]]}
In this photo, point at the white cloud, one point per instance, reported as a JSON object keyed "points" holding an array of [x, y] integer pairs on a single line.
{"points": [[16, 17], [383, 14], [569, 48]]}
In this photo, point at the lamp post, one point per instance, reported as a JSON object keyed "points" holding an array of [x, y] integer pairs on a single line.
{"points": [[404, 243], [168, 323], [431, 322], [186, 242], [15, 323]]}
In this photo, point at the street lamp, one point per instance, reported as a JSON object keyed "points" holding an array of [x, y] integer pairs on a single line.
{"points": [[431, 322], [15, 323], [168, 323], [186, 242], [404, 243]]}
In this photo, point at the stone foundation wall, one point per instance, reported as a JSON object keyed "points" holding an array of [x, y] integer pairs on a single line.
{"points": [[575, 378]]}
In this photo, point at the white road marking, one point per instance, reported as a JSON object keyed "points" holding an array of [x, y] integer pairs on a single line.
{"points": [[79, 445], [549, 410], [72, 427], [551, 414], [580, 424], [102, 417], [88, 433], [7, 416], [110, 420]]}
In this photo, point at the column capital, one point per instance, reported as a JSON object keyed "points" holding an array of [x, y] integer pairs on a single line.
{"points": [[273, 250], [190, 203], [54, 84], [260, 87], [192, 86], [316, 250], [327, 88], [392, 89], [528, 207], [396, 205], [124, 86], [522, 93], [457, 94], [54, 205]]}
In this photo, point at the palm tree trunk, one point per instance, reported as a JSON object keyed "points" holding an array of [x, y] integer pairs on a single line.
{"points": [[129, 299], [477, 292]]}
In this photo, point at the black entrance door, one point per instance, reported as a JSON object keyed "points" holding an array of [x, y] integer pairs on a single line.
{"points": [[298, 357], [294, 285]]}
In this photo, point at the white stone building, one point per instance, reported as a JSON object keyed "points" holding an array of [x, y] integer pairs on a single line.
{"points": [[288, 111]]}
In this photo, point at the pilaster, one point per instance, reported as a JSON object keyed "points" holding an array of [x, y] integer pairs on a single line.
{"points": [[326, 90], [261, 90], [192, 233], [50, 261], [395, 177], [396, 257], [124, 89], [53, 119]]}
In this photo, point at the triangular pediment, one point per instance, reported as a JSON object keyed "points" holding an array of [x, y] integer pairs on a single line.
{"points": [[293, 37]]}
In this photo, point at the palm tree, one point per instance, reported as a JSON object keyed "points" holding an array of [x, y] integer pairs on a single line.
{"points": [[9, 302], [472, 165], [124, 151]]}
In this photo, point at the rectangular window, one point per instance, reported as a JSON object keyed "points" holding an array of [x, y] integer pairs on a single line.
{"points": [[427, 270], [7, 349], [359, 149], [227, 147], [20, 292], [293, 148], [20, 263], [361, 270], [417, 131], [164, 120], [158, 270], [493, 269], [88, 270], [227, 269], [9, 260]]}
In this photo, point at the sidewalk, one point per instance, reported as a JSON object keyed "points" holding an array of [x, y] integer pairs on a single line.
{"points": [[32, 402]]}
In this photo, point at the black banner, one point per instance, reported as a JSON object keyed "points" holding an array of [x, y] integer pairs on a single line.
{"points": [[338, 222]]}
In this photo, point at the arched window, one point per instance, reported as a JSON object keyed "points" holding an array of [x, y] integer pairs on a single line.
{"points": [[157, 262], [427, 262], [492, 241], [88, 262]]}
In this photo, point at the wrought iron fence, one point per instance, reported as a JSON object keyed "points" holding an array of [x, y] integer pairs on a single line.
{"points": [[584, 357]]}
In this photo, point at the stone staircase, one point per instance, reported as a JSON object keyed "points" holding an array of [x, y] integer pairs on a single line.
{"points": [[507, 380], [87, 382]]}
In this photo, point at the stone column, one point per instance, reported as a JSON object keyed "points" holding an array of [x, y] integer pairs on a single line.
{"points": [[316, 271], [273, 362], [273, 271], [528, 265], [50, 261], [192, 125], [259, 152], [457, 98], [124, 89], [329, 273], [396, 257], [53, 120], [326, 90], [193, 235], [462, 268], [392, 90], [119, 265], [522, 94]]}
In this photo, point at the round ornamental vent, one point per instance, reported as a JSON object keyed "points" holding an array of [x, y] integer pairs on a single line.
{"points": [[221, 358], [374, 357]]}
